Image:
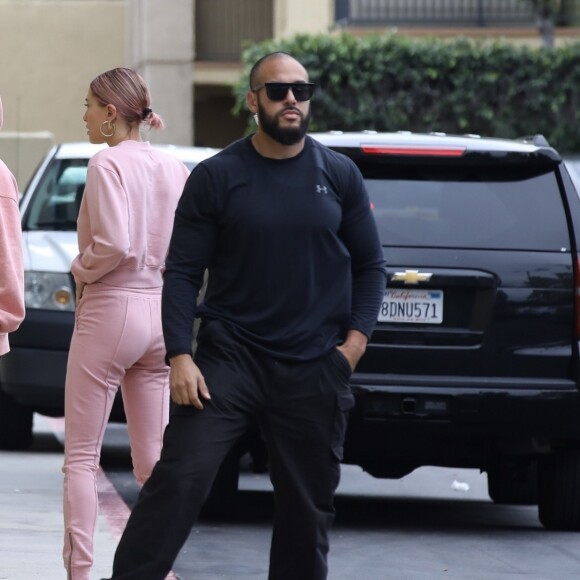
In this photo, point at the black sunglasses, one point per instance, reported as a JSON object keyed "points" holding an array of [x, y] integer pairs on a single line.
{"points": [[278, 91]]}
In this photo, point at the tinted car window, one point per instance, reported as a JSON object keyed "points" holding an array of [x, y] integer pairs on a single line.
{"points": [[56, 203], [480, 208]]}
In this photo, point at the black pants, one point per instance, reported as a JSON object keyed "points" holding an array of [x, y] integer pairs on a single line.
{"points": [[302, 409]]}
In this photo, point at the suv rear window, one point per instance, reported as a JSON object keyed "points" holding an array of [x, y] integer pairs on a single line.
{"points": [[473, 207]]}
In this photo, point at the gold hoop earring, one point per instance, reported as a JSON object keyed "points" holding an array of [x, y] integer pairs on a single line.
{"points": [[111, 127]]}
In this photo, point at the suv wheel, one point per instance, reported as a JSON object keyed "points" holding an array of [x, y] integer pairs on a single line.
{"points": [[513, 482], [559, 490], [15, 424]]}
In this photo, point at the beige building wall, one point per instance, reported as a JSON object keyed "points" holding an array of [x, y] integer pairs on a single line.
{"points": [[302, 16], [49, 52], [160, 48]]}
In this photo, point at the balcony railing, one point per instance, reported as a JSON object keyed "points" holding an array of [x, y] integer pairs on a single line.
{"points": [[222, 26], [454, 13]]}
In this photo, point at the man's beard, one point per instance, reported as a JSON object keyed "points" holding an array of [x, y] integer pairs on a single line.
{"points": [[283, 135]]}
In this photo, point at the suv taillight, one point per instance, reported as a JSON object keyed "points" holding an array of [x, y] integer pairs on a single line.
{"points": [[415, 150]]}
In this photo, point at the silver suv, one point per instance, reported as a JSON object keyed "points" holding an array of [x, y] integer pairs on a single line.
{"points": [[32, 374]]}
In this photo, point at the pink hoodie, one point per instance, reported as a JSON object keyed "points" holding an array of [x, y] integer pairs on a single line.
{"points": [[11, 269], [126, 216]]}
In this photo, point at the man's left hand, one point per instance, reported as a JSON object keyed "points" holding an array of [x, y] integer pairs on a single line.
{"points": [[353, 347]]}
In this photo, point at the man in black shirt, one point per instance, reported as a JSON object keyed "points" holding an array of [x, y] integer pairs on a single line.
{"points": [[296, 275]]}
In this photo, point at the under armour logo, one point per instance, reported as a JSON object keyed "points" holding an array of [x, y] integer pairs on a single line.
{"points": [[321, 189]]}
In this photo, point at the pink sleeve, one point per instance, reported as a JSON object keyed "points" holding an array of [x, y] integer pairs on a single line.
{"points": [[104, 233], [11, 268]]}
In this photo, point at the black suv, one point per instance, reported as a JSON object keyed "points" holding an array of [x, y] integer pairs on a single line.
{"points": [[474, 361]]}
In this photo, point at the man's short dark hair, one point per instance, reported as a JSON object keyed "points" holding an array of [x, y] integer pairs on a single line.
{"points": [[260, 61]]}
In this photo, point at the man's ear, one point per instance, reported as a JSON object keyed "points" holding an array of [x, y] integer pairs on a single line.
{"points": [[252, 102]]}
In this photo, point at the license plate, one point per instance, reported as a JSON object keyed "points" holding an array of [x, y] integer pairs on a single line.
{"points": [[412, 306]]}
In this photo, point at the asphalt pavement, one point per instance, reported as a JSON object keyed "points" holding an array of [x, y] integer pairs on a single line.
{"points": [[381, 523], [31, 523]]}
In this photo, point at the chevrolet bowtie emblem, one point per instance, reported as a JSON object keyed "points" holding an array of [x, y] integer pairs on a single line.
{"points": [[411, 277]]}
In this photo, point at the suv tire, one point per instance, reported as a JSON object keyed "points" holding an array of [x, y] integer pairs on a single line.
{"points": [[513, 482], [559, 490], [15, 424]]}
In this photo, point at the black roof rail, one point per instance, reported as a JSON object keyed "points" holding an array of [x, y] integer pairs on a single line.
{"points": [[538, 140]]}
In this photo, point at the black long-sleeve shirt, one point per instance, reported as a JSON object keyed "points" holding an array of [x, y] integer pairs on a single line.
{"points": [[291, 248]]}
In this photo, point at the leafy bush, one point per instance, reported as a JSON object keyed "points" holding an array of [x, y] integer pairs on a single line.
{"points": [[391, 83]]}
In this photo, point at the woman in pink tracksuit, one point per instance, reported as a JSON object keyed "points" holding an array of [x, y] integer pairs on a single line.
{"points": [[124, 226], [11, 271]]}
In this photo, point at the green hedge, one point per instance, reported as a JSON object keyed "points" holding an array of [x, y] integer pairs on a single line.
{"points": [[390, 83]]}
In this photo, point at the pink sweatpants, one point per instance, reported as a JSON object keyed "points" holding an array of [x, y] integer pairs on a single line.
{"points": [[117, 340]]}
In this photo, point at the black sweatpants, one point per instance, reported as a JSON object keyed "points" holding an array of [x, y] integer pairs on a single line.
{"points": [[302, 408]]}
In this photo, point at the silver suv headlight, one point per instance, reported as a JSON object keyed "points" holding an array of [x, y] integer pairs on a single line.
{"points": [[48, 291]]}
